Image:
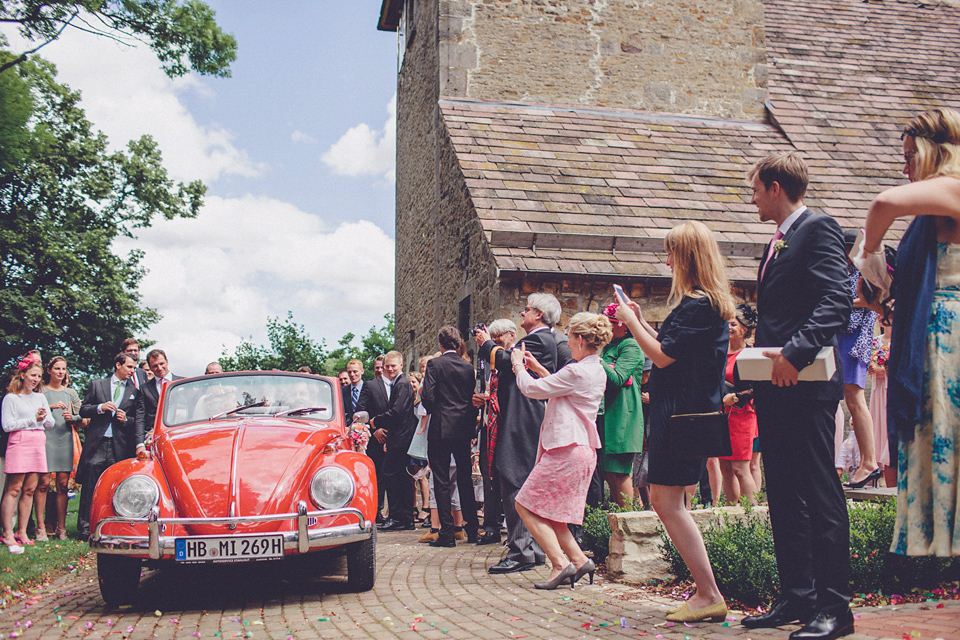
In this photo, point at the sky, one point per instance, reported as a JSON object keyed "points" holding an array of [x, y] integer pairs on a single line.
{"points": [[297, 149]]}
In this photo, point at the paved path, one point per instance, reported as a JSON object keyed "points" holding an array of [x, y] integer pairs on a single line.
{"points": [[421, 592]]}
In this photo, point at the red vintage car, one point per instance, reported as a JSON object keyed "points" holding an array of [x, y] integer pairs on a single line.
{"points": [[242, 467]]}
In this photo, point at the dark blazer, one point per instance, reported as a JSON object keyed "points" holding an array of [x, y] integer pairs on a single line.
{"points": [[346, 394], [395, 415], [802, 300], [447, 396], [126, 435], [520, 417], [151, 399]]}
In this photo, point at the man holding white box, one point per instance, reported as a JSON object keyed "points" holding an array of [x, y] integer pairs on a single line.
{"points": [[802, 303]]}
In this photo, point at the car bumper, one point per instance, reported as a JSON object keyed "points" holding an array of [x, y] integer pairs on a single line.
{"points": [[160, 547]]}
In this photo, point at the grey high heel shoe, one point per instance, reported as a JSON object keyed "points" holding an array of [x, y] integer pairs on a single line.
{"points": [[567, 574], [588, 567]]}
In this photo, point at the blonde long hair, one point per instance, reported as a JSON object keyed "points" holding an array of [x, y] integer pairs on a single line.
{"points": [[937, 134], [697, 264]]}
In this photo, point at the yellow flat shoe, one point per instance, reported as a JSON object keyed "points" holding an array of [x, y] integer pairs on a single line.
{"points": [[713, 613], [683, 607]]}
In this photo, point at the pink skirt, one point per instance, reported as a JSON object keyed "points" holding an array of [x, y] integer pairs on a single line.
{"points": [[557, 487], [26, 452]]}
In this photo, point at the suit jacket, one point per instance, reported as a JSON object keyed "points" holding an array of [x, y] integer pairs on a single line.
{"points": [[447, 396], [803, 300], [151, 399], [520, 417], [395, 415], [349, 408], [126, 435]]}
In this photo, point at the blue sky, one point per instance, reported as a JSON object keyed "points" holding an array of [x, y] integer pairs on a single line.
{"points": [[297, 151]]}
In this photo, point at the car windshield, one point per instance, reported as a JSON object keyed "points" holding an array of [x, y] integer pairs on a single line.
{"points": [[248, 394]]}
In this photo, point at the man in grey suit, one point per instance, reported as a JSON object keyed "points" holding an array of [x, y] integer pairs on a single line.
{"points": [[153, 389], [114, 406]]}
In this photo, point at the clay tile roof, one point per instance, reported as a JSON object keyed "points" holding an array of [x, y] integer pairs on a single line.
{"points": [[592, 190]]}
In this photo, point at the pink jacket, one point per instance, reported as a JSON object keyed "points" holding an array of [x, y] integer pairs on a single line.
{"points": [[574, 395]]}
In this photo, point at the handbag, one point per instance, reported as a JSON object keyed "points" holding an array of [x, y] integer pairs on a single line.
{"points": [[418, 444], [699, 435]]}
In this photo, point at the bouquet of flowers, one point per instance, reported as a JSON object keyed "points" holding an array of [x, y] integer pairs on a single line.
{"points": [[881, 353], [359, 436]]}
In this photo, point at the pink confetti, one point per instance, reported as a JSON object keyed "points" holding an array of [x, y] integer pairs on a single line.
{"points": [[196, 635], [174, 620], [129, 629], [89, 625], [109, 622], [28, 624]]}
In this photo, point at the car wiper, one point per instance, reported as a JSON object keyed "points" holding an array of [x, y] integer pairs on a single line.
{"points": [[262, 403], [301, 411]]}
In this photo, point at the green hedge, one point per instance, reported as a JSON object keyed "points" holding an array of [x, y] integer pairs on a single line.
{"points": [[741, 552]]}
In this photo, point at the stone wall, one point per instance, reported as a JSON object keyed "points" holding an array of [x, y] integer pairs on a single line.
{"points": [[703, 57], [635, 542]]}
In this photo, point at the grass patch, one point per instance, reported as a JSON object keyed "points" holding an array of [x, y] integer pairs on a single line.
{"points": [[40, 561]]}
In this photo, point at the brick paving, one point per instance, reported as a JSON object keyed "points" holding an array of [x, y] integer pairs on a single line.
{"points": [[421, 592]]}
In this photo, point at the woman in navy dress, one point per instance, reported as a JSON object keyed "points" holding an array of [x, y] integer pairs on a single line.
{"points": [[689, 356]]}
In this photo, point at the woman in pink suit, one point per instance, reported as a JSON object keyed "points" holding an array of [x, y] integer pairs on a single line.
{"points": [[568, 446]]}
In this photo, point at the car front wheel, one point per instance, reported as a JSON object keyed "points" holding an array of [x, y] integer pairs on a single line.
{"points": [[119, 578], [362, 564]]}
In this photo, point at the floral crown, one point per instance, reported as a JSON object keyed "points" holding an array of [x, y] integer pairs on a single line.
{"points": [[938, 137], [25, 361]]}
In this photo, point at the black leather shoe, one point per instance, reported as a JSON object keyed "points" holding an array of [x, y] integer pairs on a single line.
{"points": [[394, 525], [826, 627], [472, 538], [508, 565], [783, 612], [440, 542], [489, 538]]}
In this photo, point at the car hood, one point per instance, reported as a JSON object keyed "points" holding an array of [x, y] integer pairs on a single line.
{"points": [[251, 467]]}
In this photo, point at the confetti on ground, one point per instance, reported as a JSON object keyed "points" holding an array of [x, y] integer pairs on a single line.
{"points": [[326, 619], [512, 619], [157, 613]]}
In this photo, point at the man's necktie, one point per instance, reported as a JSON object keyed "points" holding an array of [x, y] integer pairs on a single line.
{"points": [[355, 396], [771, 251], [118, 392]]}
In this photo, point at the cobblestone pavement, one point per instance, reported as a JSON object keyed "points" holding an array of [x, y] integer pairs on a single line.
{"points": [[421, 592]]}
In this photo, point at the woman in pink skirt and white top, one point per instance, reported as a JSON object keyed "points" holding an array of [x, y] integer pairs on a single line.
{"points": [[568, 446], [25, 416]]}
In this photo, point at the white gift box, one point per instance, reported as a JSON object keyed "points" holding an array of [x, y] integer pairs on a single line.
{"points": [[753, 365]]}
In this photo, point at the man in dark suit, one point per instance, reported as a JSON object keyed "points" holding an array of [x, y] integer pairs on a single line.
{"points": [[520, 417], [802, 303], [448, 398], [114, 406], [351, 392], [389, 401], [131, 347], [152, 389]]}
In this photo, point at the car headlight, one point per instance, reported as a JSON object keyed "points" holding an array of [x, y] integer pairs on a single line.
{"points": [[331, 488], [135, 496]]}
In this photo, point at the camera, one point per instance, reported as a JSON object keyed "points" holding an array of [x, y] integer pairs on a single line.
{"points": [[480, 327]]}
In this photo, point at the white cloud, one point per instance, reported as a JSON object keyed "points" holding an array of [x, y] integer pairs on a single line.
{"points": [[301, 137], [216, 278], [126, 94], [361, 151]]}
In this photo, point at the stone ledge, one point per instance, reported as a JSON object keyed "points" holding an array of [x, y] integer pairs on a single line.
{"points": [[635, 543]]}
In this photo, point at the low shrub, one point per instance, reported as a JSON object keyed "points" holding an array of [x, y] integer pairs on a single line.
{"points": [[741, 552]]}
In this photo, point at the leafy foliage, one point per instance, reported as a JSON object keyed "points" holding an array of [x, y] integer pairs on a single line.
{"points": [[376, 342], [64, 198], [183, 34]]}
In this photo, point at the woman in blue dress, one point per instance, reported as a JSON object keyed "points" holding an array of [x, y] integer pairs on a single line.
{"points": [[689, 356], [923, 394]]}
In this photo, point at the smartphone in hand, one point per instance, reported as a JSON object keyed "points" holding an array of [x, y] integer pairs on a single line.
{"points": [[620, 294]]}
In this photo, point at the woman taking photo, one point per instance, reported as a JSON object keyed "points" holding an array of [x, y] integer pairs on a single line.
{"points": [[567, 447], [741, 416], [25, 415], [923, 408], [65, 405], [689, 355], [621, 420]]}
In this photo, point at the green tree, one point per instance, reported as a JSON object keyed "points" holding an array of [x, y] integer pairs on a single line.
{"points": [[291, 347], [64, 199], [183, 34], [376, 342]]}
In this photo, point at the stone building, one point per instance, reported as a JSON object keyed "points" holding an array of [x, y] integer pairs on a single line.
{"points": [[550, 144]]}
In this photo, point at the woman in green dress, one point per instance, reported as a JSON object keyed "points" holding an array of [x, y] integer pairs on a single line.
{"points": [[620, 421], [65, 406]]}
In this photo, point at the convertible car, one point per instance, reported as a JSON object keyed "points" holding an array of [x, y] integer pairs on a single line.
{"points": [[241, 467]]}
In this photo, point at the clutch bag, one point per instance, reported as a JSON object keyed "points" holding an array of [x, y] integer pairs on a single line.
{"points": [[699, 435]]}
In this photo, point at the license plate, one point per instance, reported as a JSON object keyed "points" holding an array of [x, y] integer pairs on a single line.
{"points": [[228, 549]]}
